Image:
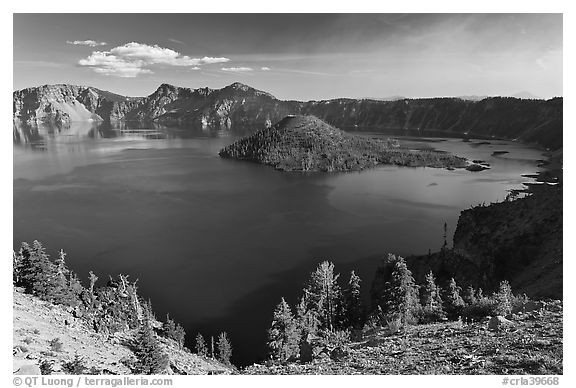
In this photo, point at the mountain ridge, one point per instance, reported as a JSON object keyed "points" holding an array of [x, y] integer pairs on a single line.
{"points": [[530, 121]]}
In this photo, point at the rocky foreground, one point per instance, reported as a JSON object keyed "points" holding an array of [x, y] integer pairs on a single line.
{"points": [[49, 336], [306, 143], [528, 342]]}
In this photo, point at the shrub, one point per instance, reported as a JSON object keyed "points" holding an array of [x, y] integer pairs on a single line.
{"points": [[46, 367], [56, 345], [75, 367], [335, 339], [483, 307], [394, 324]]}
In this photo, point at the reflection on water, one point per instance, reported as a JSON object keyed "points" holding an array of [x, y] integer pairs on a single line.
{"points": [[39, 137], [218, 242]]}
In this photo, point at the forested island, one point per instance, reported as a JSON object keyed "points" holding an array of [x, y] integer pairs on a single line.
{"points": [[306, 143]]}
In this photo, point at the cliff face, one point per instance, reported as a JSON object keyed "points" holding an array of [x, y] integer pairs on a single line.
{"points": [[519, 241], [535, 121], [62, 104]]}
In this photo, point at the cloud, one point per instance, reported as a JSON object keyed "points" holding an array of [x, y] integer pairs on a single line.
{"points": [[176, 41], [265, 68], [91, 43], [237, 69], [133, 59]]}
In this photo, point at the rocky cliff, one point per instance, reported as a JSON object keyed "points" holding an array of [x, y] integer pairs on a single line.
{"points": [[519, 240], [533, 121]]}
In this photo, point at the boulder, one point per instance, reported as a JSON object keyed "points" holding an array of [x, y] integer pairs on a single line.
{"points": [[498, 322]]}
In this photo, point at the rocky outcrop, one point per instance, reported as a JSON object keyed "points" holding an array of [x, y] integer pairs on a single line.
{"points": [[519, 241], [306, 143], [62, 104], [532, 121]]}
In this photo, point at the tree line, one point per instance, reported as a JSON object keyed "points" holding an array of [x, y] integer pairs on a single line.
{"points": [[109, 308], [330, 314]]}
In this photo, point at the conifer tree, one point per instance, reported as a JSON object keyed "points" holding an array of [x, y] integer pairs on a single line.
{"points": [[224, 348], [503, 298], [354, 309], [453, 301], [61, 264], [93, 279], [212, 349], [38, 275], [402, 293], [174, 331], [431, 300], [306, 318], [324, 294], [151, 358], [470, 296], [283, 335], [201, 348]]}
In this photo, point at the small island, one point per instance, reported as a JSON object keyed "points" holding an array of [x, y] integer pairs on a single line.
{"points": [[306, 143]]}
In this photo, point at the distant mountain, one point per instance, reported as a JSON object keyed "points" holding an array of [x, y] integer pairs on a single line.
{"points": [[306, 143], [534, 121], [526, 96], [473, 98]]}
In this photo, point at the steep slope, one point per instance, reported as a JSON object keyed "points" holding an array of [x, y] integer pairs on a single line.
{"points": [[519, 241], [306, 143], [37, 323], [534, 121], [62, 104]]}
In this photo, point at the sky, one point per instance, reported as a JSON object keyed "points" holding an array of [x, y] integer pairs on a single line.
{"points": [[295, 56]]}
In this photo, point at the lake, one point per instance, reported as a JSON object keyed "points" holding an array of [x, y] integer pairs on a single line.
{"points": [[217, 243]]}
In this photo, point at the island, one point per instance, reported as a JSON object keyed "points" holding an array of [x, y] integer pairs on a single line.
{"points": [[306, 143]]}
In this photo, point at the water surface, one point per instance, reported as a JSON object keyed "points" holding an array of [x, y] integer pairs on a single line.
{"points": [[217, 242]]}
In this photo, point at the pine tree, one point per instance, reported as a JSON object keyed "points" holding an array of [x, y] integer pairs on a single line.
{"points": [[503, 298], [453, 301], [174, 331], [93, 279], [283, 335], [431, 300], [212, 349], [470, 296], [307, 320], [201, 348], [354, 308], [402, 293], [151, 358], [224, 348], [38, 275], [324, 294]]}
